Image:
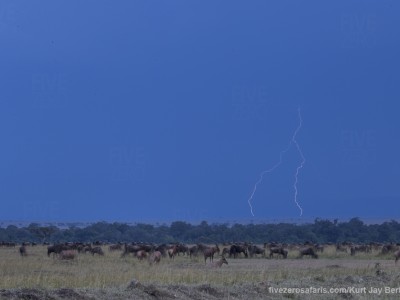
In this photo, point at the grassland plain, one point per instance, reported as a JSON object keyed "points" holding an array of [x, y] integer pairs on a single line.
{"points": [[38, 276]]}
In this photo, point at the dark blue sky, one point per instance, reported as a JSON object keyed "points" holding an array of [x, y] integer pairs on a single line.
{"points": [[163, 110]]}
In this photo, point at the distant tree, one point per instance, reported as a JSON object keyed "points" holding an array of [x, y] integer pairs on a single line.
{"points": [[43, 233]]}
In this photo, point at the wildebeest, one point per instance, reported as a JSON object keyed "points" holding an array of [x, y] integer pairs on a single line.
{"points": [[97, 250], [57, 248], [141, 254], [220, 262], [162, 249], [67, 254], [388, 248], [181, 248], [130, 249], [254, 250], [225, 251], [319, 248], [22, 250], [115, 247], [307, 251], [359, 248], [341, 248], [155, 257], [194, 250], [278, 250], [135, 247], [235, 250], [396, 256], [7, 244], [209, 253], [87, 249]]}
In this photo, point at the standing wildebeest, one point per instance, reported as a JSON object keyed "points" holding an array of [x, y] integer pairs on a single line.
{"points": [[277, 250], [225, 251], [97, 250], [155, 257], [181, 248], [359, 248], [162, 249], [319, 248], [194, 250], [22, 250], [308, 251], [235, 250], [209, 253], [130, 249], [220, 262], [388, 248], [397, 256], [254, 250], [341, 248]]}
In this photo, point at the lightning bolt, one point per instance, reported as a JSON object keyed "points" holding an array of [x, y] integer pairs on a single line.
{"points": [[266, 172], [292, 141], [303, 161]]}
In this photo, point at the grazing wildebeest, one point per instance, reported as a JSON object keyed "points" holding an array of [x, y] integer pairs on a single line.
{"points": [[97, 250], [235, 250], [57, 248], [209, 253], [307, 251], [396, 256], [155, 257], [277, 250], [130, 249], [67, 254], [22, 250], [220, 262], [254, 250]]}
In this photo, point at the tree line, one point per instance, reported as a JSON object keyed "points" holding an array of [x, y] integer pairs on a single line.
{"points": [[321, 231]]}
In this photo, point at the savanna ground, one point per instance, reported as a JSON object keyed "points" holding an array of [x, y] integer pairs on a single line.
{"points": [[37, 276]]}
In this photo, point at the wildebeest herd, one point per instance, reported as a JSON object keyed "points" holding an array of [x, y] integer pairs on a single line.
{"points": [[153, 253]]}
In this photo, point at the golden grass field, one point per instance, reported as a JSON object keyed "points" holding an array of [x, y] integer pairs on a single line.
{"points": [[113, 277]]}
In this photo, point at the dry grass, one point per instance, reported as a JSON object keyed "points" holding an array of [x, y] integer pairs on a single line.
{"points": [[38, 271]]}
